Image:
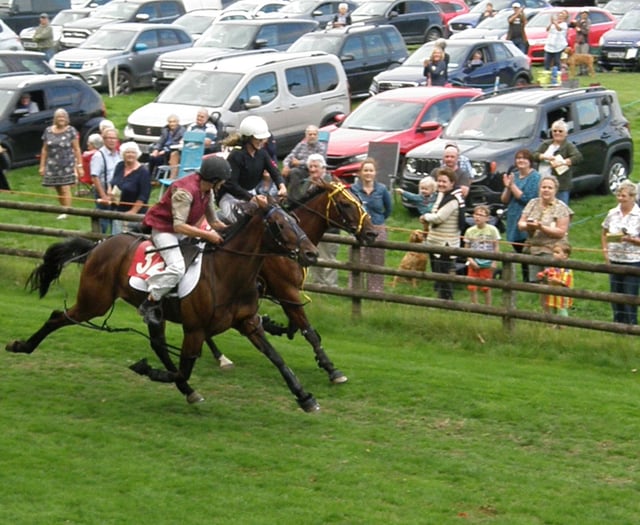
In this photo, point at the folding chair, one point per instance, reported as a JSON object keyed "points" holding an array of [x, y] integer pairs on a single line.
{"points": [[190, 159]]}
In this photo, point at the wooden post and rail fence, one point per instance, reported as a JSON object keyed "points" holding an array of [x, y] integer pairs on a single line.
{"points": [[507, 282]]}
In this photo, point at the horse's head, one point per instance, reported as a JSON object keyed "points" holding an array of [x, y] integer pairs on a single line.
{"points": [[345, 211], [287, 237]]}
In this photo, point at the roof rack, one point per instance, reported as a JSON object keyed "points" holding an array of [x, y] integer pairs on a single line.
{"points": [[551, 95]]}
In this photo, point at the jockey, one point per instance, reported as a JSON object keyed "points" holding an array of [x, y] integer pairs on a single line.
{"points": [[176, 216]]}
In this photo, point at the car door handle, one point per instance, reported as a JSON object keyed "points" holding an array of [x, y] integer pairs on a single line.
{"points": [[605, 135]]}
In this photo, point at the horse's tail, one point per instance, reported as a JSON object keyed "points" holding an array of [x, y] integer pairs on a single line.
{"points": [[57, 255]]}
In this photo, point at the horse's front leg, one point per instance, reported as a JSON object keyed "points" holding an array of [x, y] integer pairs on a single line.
{"points": [[298, 317], [252, 329], [171, 374], [223, 361]]}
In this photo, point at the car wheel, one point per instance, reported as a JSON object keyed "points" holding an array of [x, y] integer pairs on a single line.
{"points": [[521, 81], [617, 171], [432, 34], [123, 86], [7, 156]]}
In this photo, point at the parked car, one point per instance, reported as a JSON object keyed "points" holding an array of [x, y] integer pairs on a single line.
{"points": [[471, 19], [24, 63], [406, 116], [289, 90], [21, 131], [129, 49], [619, 46], [63, 17], [18, 14], [619, 7], [601, 22], [450, 9], [151, 11], [418, 21], [364, 51], [8, 38], [256, 8], [501, 59], [495, 27], [198, 21], [490, 129], [227, 38], [322, 11]]}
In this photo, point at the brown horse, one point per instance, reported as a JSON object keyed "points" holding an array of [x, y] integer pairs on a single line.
{"points": [[226, 295], [332, 205]]}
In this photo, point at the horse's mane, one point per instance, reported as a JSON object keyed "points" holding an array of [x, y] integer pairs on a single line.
{"points": [[316, 189]]}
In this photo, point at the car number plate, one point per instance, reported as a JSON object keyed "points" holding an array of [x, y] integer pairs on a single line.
{"points": [[30, 45], [616, 54], [172, 74]]}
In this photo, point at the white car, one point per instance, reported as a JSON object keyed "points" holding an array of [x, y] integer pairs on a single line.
{"points": [[8, 38]]}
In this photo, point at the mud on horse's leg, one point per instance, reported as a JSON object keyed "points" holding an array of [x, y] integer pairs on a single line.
{"points": [[253, 330], [314, 339], [171, 374]]}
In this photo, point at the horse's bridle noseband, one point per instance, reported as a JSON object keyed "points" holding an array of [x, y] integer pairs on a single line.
{"points": [[276, 232], [340, 188]]}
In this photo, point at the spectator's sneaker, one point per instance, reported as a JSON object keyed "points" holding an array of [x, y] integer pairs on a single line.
{"points": [[151, 312]]}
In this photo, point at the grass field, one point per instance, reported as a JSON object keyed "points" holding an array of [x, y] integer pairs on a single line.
{"points": [[446, 419]]}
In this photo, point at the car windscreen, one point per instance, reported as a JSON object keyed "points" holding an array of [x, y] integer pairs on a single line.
{"points": [[235, 36], [200, 88], [109, 40], [118, 10], [7, 102], [630, 21], [299, 7], [326, 43], [383, 115], [371, 9], [492, 123], [500, 21]]}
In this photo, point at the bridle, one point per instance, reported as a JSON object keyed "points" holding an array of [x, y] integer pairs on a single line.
{"points": [[338, 188], [275, 229]]}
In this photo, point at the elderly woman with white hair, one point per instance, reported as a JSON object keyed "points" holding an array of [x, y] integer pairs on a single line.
{"points": [[130, 186], [342, 18]]}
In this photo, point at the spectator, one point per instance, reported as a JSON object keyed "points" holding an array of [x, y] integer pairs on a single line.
{"points": [[376, 200], [176, 216], [248, 160], [28, 104], [460, 165], [558, 276], [556, 41], [60, 157], [103, 164], [557, 156], [484, 237], [445, 227], [426, 196], [516, 32], [435, 68], [43, 37], [317, 167], [583, 26], [621, 245], [170, 138], [342, 17], [94, 143], [476, 59], [294, 165], [519, 188], [130, 186], [489, 12], [546, 220], [210, 131]]}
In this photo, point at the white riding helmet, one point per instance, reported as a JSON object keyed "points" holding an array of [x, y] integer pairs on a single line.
{"points": [[254, 126]]}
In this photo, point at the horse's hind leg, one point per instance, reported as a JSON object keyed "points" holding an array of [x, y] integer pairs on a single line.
{"points": [[171, 374], [297, 316], [56, 320], [253, 330], [224, 362]]}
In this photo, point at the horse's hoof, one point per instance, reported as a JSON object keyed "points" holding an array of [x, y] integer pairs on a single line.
{"points": [[142, 367], [17, 347], [309, 404], [225, 362], [337, 377], [194, 397]]}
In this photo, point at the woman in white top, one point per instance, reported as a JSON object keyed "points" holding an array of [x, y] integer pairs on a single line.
{"points": [[621, 245], [556, 40]]}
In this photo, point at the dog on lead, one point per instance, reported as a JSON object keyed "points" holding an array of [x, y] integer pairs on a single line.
{"points": [[414, 261], [580, 60]]}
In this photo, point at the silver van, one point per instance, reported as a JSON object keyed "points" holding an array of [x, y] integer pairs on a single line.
{"points": [[289, 90]]}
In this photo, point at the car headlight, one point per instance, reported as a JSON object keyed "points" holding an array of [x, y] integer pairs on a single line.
{"points": [[480, 170], [410, 166], [601, 42], [95, 64], [357, 158], [156, 64]]}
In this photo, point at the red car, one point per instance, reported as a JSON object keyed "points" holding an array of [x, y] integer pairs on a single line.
{"points": [[601, 22], [410, 116], [451, 9]]}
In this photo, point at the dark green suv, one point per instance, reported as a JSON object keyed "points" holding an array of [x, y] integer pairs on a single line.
{"points": [[21, 130], [363, 50]]}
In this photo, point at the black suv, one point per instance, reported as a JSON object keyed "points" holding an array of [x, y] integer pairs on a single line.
{"points": [[418, 21], [21, 131], [364, 51], [156, 11], [491, 128]]}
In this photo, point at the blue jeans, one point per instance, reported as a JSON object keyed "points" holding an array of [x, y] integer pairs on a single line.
{"points": [[552, 59], [563, 196], [626, 284], [105, 224]]}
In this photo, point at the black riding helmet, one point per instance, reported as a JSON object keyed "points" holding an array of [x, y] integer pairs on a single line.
{"points": [[214, 168]]}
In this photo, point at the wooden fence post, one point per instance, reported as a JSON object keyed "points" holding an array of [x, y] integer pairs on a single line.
{"points": [[357, 279], [508, 295]]}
